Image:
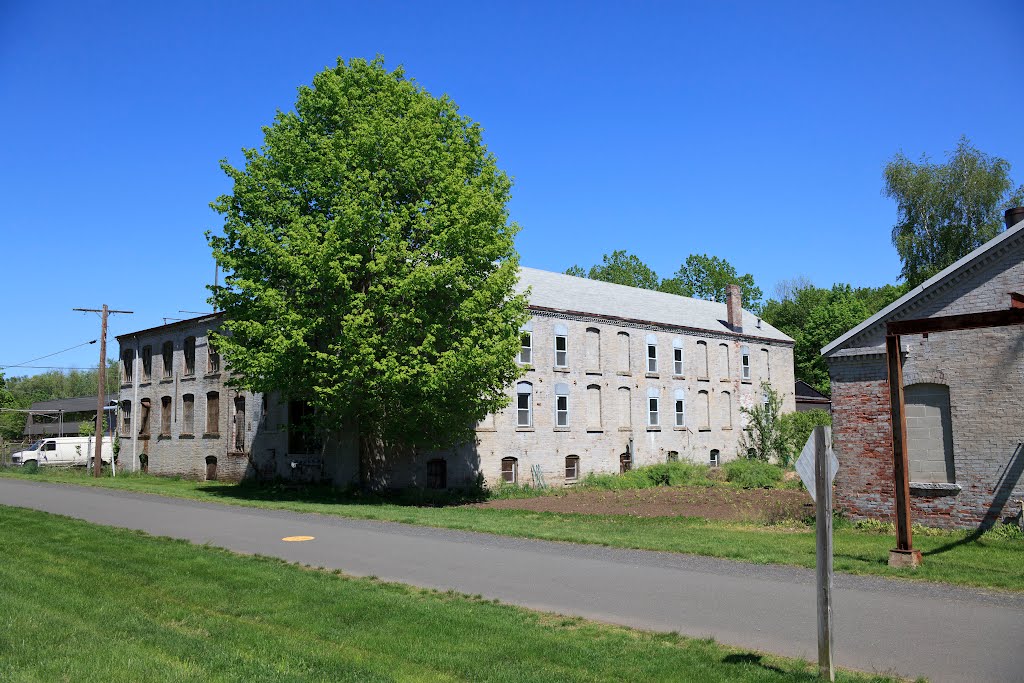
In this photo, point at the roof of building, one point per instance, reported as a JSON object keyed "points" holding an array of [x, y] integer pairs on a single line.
{"points": [[570, 294], [948, 274], [78, 404], [805, 392]]}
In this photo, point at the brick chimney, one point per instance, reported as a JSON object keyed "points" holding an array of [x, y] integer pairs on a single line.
{"points": [[734, 307]]}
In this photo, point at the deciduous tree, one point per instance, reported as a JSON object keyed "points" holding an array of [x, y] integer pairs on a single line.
{"points": [[706, 277], [622, 268], [944, 211], [370, 264]]}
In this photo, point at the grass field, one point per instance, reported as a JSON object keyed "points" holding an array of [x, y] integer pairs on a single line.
{"points": [[990, 560], [87, 603]]}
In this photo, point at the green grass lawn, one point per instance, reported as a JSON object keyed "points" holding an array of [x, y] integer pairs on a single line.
{"points": [[987, 561], [80, 602]]}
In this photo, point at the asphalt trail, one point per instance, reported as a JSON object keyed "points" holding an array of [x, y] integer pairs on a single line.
{"points": [[913, 629]]}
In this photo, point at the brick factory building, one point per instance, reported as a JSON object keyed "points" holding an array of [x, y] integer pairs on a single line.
{"points": [[614, 377], [964, 395]]}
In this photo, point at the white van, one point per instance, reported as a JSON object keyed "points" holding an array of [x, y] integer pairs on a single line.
{"points": [[64, 450]]}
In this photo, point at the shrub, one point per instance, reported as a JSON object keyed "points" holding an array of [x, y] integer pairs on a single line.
{"points": [[31, 467], [750, 473], [797, 428], [667, 474]]}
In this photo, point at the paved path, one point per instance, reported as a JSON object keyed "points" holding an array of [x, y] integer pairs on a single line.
{"points": [[941, 632]]}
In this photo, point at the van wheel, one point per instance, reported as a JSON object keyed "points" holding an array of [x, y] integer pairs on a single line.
{"points": [[30, 465]]}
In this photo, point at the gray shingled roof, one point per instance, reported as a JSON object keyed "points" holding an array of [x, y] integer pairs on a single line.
{"points": [[582, 295]]}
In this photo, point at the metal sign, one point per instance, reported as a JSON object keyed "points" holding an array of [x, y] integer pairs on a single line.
{"points": [[805, 463]]}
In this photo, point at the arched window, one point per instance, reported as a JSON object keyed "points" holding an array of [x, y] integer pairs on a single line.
{"points": [[723, 361], [145, 406], [212, 358], [165, 416], [594, 407], [625, 408], [929, 433], [572, 467], [188, 414], [211, 468], [593, 350], [726, 400], [561, 405], [703, 411], [652, 353], [766, 364], [745, 363], [702, 360], [437, 473], [677, 357], [713, 459], [126, 418], [147, 363], [622, 353], [524, 404], [625, 463], [526, 344], [128, 365], [509, 470], [212, 412], [680, 407], [238, 418], [190, 355], [167, 356]]}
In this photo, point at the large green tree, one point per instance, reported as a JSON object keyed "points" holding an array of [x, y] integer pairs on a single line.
{"points": [[622, 268], [370, 264], [706, 277], [944, 211]]}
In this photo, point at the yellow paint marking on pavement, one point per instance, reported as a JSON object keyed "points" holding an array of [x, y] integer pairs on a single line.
{"points": [[292, 539]]}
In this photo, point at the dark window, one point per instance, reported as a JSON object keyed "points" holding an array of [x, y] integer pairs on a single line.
{"points": [[128, 365], [213, 412], [147, 363], [190, 356], [167, 352], [211, 467], [526, 348], [509, 470], [144, 410], [673, 456], [713, 458], [50, 446], [625, 463], [165, 416], [302, 436], [572, 467], [437, 474], [188, 414]]}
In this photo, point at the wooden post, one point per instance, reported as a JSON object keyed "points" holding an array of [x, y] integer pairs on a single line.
{"points": [[823, 528], [97, 466], [904, 554]]}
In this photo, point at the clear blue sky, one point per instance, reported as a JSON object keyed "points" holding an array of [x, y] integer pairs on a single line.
{"points": [[752, 131]]}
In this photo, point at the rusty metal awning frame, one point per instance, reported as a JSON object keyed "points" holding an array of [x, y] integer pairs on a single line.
{"points": [[904, 553]]}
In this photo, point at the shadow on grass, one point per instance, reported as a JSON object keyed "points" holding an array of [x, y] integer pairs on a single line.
{"points": [[325, 494], [750, 659]]}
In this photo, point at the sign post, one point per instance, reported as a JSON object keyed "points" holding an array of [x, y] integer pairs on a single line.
{"points": [[817, 467]]}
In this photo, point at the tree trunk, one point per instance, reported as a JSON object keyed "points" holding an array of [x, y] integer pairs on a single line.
{"points": [[371, 462]]}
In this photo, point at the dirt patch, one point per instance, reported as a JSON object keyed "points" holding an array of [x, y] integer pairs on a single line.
{"points": [[717, 502]]}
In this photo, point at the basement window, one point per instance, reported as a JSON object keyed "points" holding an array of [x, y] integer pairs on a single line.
{"points": [[509, 470], [572, 467]]}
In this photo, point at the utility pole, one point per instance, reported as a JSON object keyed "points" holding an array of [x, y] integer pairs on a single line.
{"points": [[97, 465]]}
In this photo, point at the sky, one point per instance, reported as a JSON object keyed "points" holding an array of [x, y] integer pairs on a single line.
{"points": [[753, 131]]}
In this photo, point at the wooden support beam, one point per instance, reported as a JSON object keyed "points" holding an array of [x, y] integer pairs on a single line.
{"points": [[904, 554], [966, 321]]}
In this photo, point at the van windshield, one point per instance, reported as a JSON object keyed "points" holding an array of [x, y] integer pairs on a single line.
{"points": [[35, 446]]}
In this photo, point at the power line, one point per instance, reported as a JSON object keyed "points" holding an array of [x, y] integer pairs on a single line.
{"points": [[55, 367], [18, 365]]}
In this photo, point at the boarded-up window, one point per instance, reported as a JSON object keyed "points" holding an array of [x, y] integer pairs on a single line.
{"points": [[726, 406], [188, 414], [625, 408], [128, 365], [622, 352], [437, 474], [147, 363], [165, 416], [702, 360], [213, 412], [144, 409], [238, 418], [509, 470], [167, 355], [212, 358], [723, 361], [625, 463], [190, 356], [593, 350], [672, 456], [929, 433], [766, 364], [703, 411], [594, 407]]}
